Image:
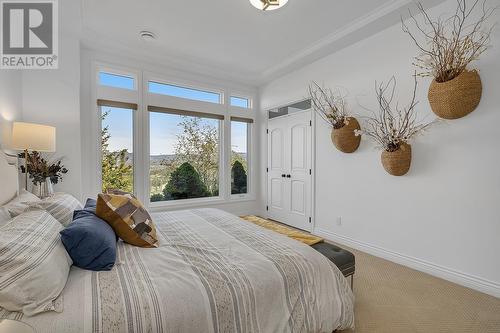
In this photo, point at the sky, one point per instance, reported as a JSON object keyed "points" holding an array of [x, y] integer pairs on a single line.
{"points": [[164, 128]]}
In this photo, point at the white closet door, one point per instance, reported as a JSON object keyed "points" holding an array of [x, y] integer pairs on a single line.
{"points": [[289, 178], [298, 176], [276, 197]]}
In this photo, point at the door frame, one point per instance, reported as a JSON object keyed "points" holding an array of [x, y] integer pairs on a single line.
{"points": [[313, 162]]}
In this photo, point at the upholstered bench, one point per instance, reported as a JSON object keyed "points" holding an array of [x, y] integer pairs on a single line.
{"points": [[343, 259]]}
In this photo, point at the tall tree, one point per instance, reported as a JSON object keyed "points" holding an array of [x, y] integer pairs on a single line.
{"points": [[199, 145], [116, 169]]}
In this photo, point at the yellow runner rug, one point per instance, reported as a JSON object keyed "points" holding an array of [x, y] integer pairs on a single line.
{"points": [[279, 228]]}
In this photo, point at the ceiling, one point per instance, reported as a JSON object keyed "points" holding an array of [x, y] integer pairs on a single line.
{"points": [[230, 38]]}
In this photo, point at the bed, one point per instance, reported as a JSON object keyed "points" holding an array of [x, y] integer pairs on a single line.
{"points": [[212, 272]]}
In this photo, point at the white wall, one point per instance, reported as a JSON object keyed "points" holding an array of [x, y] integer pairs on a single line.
{"points": [[10, 103], [52, 97], [444, 216]]}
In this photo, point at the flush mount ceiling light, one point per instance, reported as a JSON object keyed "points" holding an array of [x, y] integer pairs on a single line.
{"points": [[267, 5], [147, 36]]}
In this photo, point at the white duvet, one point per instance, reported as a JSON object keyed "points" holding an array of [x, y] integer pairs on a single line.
{"points": [[212, 272]]}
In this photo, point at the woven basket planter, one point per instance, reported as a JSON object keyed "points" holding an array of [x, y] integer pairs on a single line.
{"points": [[397, 163], [456, 98], [344, 138]]}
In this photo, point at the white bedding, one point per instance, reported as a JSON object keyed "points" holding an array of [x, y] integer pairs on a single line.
{"points": [[211, 273]]}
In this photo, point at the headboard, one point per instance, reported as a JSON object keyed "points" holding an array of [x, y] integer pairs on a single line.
{"points": [[8, 180]]}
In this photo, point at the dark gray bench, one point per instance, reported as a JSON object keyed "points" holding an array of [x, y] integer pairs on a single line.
{"points": [[343, 259]]}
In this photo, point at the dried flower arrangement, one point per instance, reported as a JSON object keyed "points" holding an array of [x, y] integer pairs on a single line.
{"points": [[331, 105], [392, 126], [450, 44], [39, 169]]}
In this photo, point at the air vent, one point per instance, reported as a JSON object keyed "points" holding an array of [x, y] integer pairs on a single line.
{"points": [[147, 35]]}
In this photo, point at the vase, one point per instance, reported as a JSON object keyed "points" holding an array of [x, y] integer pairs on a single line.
{"points": [[43, 189], [397, 163], [345, 138], [456, 98]]}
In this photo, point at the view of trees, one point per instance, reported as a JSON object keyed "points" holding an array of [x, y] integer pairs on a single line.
{"points": [[117, 170], [191, 172]]}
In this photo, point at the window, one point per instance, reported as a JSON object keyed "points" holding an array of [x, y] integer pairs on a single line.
{"points": [[184, 156], [239, 102], [182, 92], [116, 81], [117, 147], [239, 157]]}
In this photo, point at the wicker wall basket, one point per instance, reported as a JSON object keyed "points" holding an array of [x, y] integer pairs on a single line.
{"points": [[456, 98], [344, 138], [397, 163]]}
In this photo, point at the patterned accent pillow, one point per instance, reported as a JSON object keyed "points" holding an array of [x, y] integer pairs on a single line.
{"points": [[35, 265], [59, 205], [128, 218]]}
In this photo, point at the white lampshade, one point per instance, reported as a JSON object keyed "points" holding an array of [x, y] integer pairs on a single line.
{"points": [[27, 136]]}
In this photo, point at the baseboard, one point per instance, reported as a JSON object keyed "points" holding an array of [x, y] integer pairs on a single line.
{"points": [[463, 279]]}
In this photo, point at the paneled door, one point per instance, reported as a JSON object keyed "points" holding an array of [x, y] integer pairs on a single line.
{"points": [[289, 171], [276, 171]]}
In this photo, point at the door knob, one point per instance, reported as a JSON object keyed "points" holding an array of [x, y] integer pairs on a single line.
{"points": [[288, 176], [283, 175]]}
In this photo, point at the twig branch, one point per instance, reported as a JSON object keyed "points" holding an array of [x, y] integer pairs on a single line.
{"points": [[448, 45]]}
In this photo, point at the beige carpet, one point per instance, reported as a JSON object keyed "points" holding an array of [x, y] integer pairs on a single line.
{"points": [[393, 298]]}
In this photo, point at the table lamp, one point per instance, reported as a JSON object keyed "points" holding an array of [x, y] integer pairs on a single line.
{"points": [[33, 137]]}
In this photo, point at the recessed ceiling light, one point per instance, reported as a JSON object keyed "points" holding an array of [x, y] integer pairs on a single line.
{"points": [[267, 5], [147, 36]]}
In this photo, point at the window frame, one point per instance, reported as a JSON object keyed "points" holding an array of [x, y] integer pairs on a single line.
{"points": [[141, 133]]}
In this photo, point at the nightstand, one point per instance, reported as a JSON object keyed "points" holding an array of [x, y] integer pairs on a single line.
{"points": [[14, 326]]}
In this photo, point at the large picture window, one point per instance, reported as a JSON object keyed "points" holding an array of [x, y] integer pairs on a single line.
{"points": [[117, 142], [184, 156], [171, 145]]}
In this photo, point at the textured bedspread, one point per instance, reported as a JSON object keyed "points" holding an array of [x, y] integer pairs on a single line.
{"points": [[211, 273]]}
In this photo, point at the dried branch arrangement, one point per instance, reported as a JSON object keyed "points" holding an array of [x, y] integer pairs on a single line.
{"points": [[330, 104], [392, 126], [448, 45]]}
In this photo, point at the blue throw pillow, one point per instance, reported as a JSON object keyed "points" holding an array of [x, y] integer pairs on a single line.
{"points": [[91, 204], [90, 241]]}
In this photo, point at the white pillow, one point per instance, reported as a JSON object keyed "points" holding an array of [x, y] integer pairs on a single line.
{"points": [[20, 203], [61, 206], [4, 216], [35, 265]]}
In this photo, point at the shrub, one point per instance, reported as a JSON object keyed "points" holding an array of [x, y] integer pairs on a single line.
{"points": [[157, 197], [185, 183], [239, 177]]}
